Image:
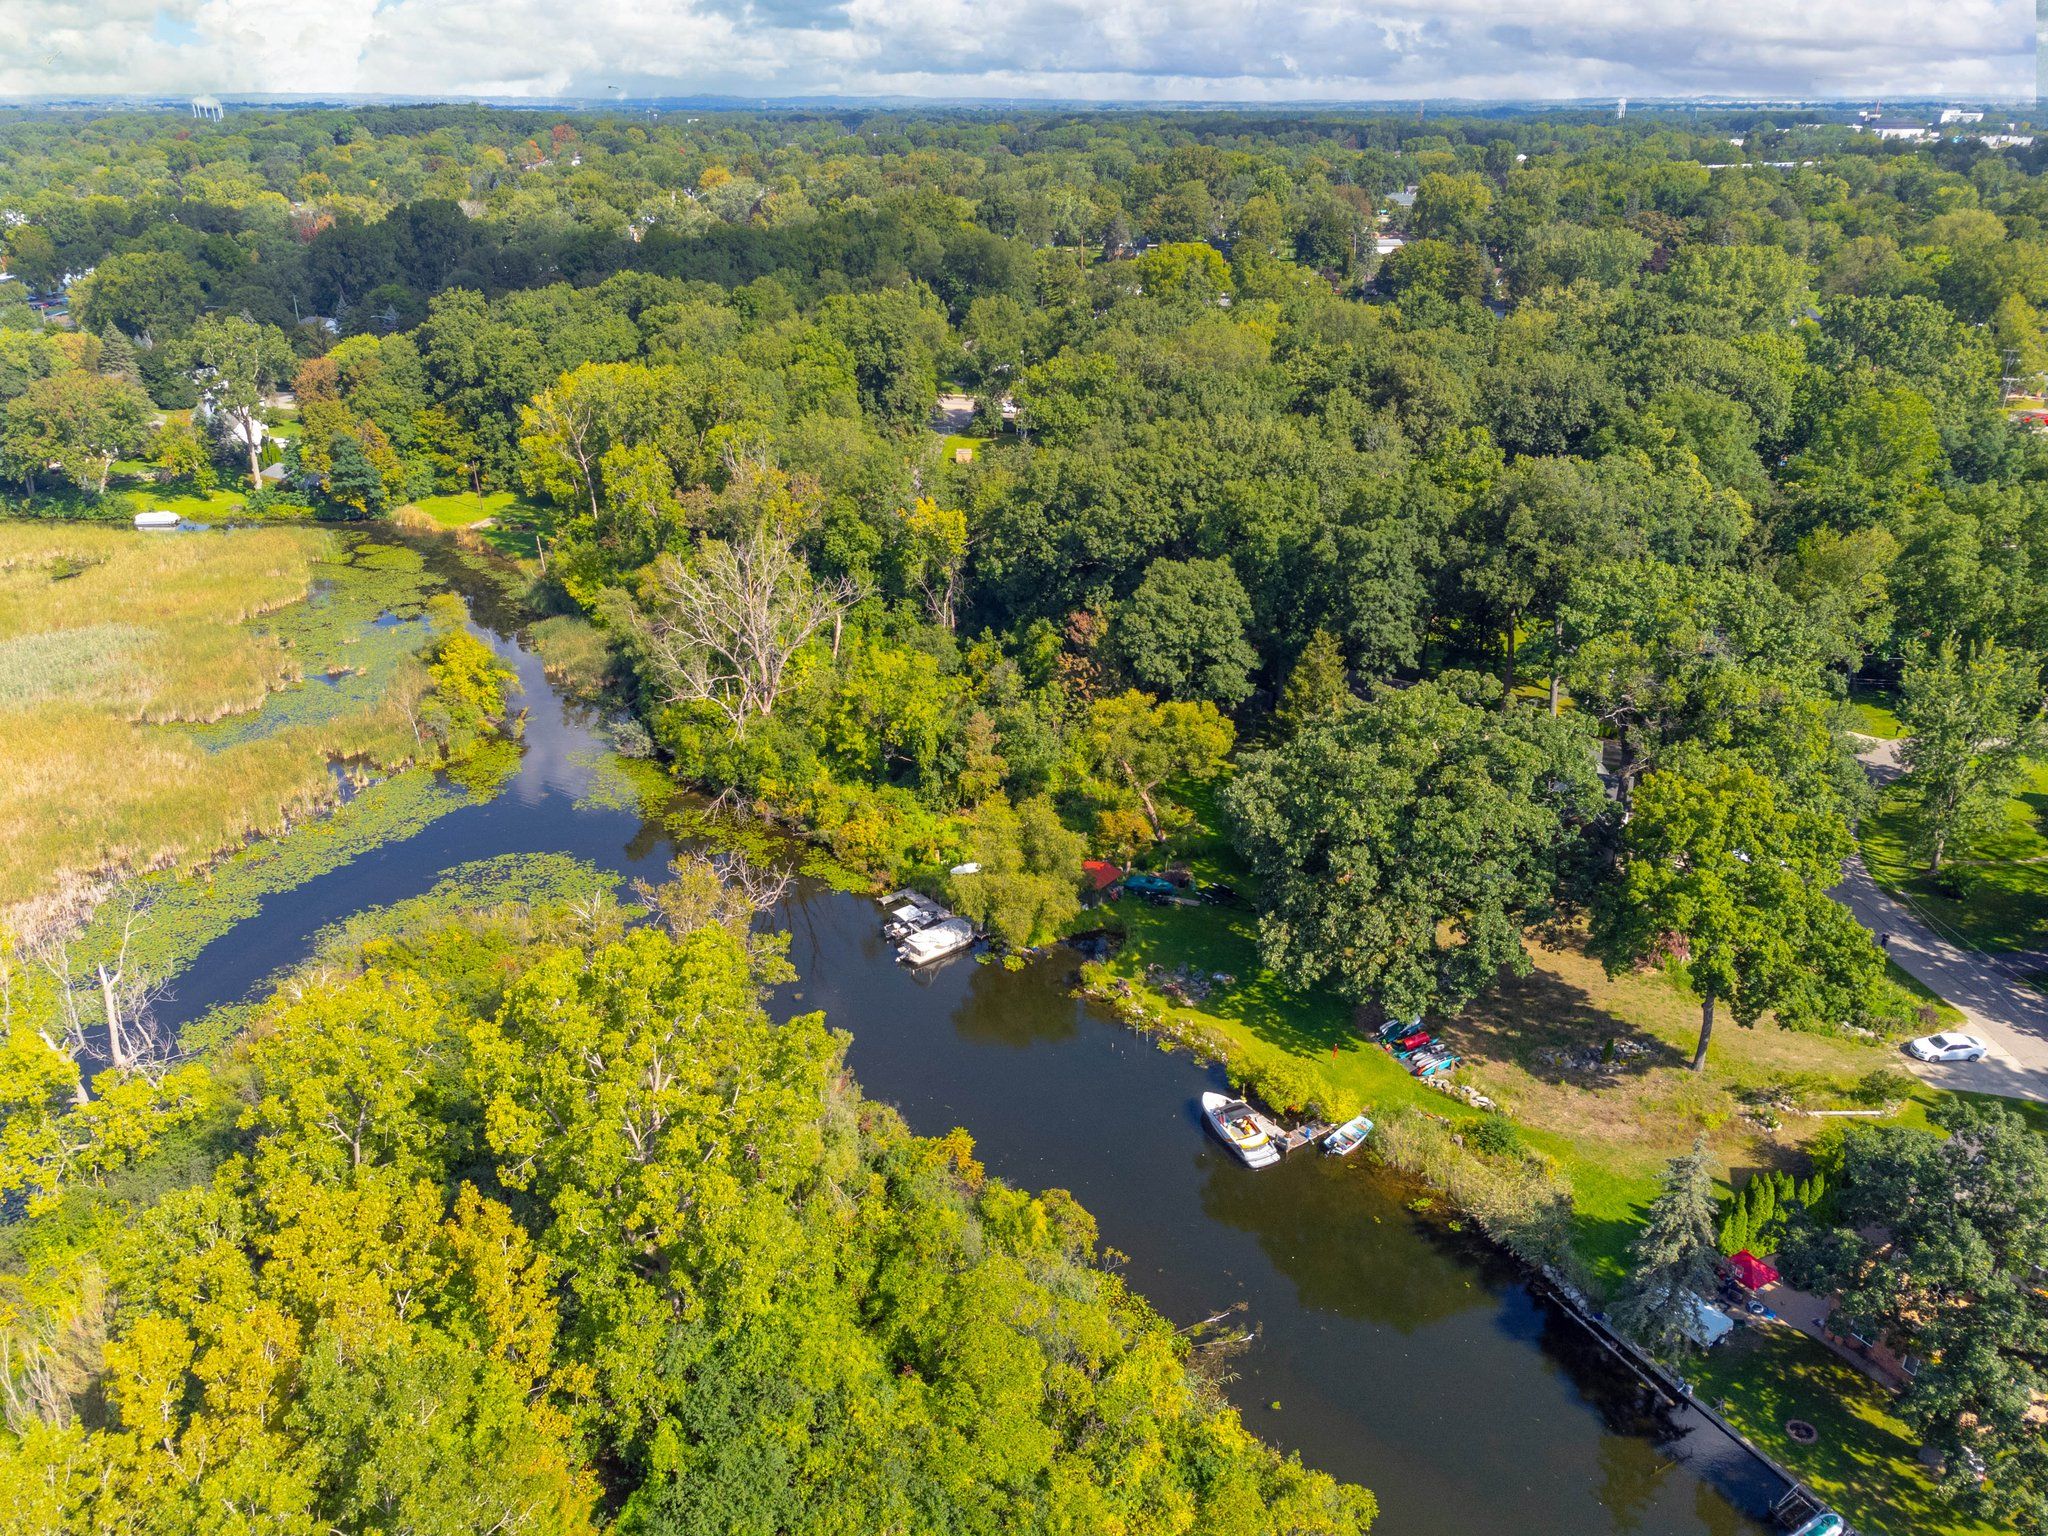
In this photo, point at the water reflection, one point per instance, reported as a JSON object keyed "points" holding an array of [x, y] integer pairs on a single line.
{"points": [[1337, 1229], [1033, 1006]]}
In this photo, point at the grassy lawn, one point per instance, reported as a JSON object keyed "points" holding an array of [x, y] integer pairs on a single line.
{"points": [[954, 441], [515, 525], [1535, 1045], [1864, 1463], [1873, 713], [165, 697], [217, 505], [1999, 898], [465, 509]]}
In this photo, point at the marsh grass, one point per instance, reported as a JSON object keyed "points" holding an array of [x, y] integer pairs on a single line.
{"points": [[165, 698]]}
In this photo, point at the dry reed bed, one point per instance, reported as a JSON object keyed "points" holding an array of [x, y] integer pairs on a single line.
{"points": [[104, 634]]}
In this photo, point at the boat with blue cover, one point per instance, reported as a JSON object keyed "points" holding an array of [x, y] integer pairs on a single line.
{"points": [[1348, 1137]]}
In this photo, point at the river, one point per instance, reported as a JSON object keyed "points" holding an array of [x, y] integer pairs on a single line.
{"points": [[1386, 1348]]}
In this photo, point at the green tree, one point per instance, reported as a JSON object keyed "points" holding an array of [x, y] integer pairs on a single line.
{"points": [[77, 422], [31, 256], [1317, 688], [180, 452], [239, 362], [1182, 633], [469, 691], [1451, 206], [1971, 721], [1402, 844], [1671, 1260], [1131, 744], [1520, 550], [1723, 868], [1028, 884], [935, 555], [1939, 1240], [146, 294]]}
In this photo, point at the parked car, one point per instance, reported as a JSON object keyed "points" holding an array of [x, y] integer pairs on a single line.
{"points": [[1947, 1047]]}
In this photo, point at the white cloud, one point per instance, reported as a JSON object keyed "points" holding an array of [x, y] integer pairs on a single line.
{"points": [[1219, 50]]}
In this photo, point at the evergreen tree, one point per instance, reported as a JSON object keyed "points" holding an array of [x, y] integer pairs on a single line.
{"points": [[1763, 1197], [1318, 686], [1673, 1258]]}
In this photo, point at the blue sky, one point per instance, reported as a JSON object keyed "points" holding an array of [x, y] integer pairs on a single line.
{"points": [[1107, 50]]}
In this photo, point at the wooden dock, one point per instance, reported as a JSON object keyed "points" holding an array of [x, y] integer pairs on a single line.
{"points": [[1306, 1134]]}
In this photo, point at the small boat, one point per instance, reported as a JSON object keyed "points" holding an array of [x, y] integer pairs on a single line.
{"points": [[157, 519], [1241, 1128], [1348, 1137], [1827, 1523]]}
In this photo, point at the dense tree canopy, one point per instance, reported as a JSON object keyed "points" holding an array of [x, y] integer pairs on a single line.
{"points": [[537, 1237]]}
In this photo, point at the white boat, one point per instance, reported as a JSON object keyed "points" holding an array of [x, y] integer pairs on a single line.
{"points": [[1348, 1137], [1827, 1523], [936, 942], [157, 519], [1241, 1128]]}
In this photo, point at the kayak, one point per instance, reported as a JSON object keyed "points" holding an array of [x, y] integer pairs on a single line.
{"points": [[1241, 1129], [1348, 1137]]}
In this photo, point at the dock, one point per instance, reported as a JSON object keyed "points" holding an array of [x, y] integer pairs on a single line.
{"points": [[1796, 1502], [1307, 1134]]}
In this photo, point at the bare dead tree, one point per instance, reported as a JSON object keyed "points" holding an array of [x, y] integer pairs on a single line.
{"points": [[130, 989], [48, 1360], [723, 888], [63, 1029], [125, 988], [731, 621]]}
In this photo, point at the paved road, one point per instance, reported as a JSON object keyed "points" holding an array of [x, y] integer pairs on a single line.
{"points": [[2000, 1009], [1997, 1005]]}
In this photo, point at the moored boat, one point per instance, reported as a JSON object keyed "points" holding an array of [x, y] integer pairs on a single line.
{"points": [[1241, 1128], [1348, 1137], [936, 942], [156, 519], [1827, 1523]]}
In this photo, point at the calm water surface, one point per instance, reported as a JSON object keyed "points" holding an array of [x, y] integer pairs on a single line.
{"points": [[1400, 1355]]}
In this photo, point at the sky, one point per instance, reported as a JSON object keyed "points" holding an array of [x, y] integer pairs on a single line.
{"points": [[1091, 50]]}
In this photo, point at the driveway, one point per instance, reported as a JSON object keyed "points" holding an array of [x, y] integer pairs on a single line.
{"points": [[1998, 1007]]}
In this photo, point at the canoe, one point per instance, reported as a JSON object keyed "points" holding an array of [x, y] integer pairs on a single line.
{"points": [[1348, 1137], [1241, 1129]]}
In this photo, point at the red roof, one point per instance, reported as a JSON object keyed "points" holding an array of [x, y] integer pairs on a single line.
{"points": [[1101, 874], [1752, 1271]]}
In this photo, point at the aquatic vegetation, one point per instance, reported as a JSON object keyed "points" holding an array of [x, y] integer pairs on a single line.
{"points": [[188, 912], [620, 783]]}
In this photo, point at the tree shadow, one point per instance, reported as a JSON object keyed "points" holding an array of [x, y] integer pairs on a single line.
{"points": [[1556, 1033]]}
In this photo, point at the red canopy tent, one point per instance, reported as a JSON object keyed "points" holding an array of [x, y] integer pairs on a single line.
{"points": [[1752, 1271], [1101, 874]]}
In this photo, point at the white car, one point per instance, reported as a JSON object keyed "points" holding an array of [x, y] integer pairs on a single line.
{"points": [[1947, 1048]]}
